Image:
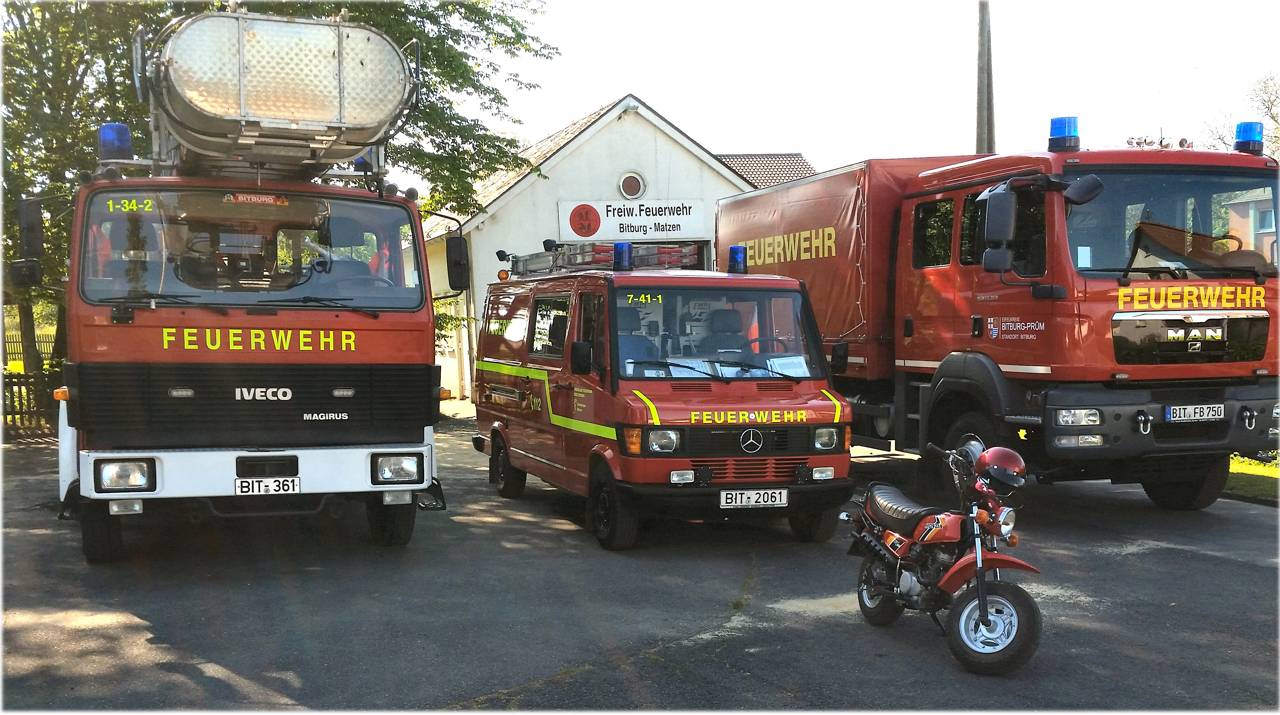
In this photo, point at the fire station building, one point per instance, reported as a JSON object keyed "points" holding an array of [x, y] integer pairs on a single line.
{"points": [[621, 173]]}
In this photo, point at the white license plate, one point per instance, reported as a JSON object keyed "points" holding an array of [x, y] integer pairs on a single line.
{"points": [[1194, 413], [752, 498], [268, 485]]}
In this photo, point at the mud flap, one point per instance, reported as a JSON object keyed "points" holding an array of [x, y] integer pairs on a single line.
{"points": [[432, 499]]}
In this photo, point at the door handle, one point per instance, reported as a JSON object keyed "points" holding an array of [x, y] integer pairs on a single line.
{"points": [[908, 327], [975, 328], [562, 385]]}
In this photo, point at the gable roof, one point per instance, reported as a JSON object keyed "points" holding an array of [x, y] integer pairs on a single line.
{"points": [[768, 169], [496, 189]]}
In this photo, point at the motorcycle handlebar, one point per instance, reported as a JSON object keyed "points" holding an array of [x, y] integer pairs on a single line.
{"points": [[934, 451]]}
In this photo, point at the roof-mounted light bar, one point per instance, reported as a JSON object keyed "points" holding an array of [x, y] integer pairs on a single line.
{"points": [[621, 256]]}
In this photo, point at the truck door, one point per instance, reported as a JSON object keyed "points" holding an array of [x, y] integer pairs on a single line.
{"points": [[586, 402], [926, 283], [1011, 326], [548, 370]]}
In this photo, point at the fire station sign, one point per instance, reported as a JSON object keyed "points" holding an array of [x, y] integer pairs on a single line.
{"points": [[631, 220]]}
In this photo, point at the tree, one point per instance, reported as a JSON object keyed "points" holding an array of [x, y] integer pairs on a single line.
{"points": [[67, 69], [1264, 99]]}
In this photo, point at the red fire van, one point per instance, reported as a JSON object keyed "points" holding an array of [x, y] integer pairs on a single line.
{"points": [[671, 391]]}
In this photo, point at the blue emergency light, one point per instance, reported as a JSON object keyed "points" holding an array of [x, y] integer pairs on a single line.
{"points": [[622, 256], [114, 142], [1249, 137], [737, 259], [1064, 134], [362, 162]]}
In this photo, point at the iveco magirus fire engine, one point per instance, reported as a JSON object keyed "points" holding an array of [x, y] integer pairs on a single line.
{"points": [[247, 334]]}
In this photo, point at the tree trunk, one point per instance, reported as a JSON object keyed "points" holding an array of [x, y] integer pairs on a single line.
{"points": [[32, 362]]}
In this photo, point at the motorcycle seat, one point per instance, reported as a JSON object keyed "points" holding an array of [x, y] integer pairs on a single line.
{"points": [[896, 511]]}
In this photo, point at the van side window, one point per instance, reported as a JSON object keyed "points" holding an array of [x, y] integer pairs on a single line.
{"points": [[1028, 236], [931, 239], [972, 225], [591, 325], [550, 325]]}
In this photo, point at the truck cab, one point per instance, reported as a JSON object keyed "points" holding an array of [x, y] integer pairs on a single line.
{"points": [[667, 391]]}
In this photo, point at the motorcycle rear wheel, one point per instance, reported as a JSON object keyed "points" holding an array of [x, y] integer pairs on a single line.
{"points": [[878, 610], [1007, 643]]}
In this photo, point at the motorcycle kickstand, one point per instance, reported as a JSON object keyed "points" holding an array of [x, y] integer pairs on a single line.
{"points": [[942, 630]]}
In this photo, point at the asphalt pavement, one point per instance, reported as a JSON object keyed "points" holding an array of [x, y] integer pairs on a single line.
{"points": [[510, 604]]}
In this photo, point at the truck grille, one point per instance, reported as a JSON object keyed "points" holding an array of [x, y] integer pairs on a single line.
{"points": [[133, 406], [751, 467], [777, 440], [1176, 342]]}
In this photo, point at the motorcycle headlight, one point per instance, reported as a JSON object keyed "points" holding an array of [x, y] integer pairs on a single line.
{"points": [[663, 441], [825, 438], [1006, 518]]}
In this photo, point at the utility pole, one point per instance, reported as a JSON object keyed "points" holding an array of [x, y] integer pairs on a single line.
{"points": [[986, 135]]}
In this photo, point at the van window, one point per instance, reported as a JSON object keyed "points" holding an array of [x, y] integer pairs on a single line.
{"points": [[931, 239], [591, 326], [550, 325], [972, 225], [505, 328]]}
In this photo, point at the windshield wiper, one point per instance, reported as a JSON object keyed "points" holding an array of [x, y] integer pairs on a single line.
{"points": [[141, 299], [669, 364], [750, 366], [1124, 272], [317, 300], [1259, 275]]}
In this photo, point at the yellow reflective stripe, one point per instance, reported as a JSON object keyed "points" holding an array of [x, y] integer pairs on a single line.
{"points": [[653, 411], [557, 420], [834, 401]]}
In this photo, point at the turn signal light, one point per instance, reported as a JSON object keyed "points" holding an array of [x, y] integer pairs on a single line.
{"points": [[504, 274], [631, 436], [1011, 539], [848, 438], [61, 394], [983, 517]]}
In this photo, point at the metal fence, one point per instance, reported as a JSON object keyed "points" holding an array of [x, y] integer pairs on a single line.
{"points": [[29, 407]]}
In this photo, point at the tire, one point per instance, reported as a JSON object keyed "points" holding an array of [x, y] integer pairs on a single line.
{"points": [[100, 536], [876, 610], [613, 518], [815, 527], [390, 524], [1015, 622], [508, 480], [1198, 492]]}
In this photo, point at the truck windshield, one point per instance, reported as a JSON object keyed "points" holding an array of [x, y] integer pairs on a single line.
{"points": [[666, 333], [245, 248], [1175, 224]]}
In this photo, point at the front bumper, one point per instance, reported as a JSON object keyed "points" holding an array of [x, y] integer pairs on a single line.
{"points": [[704, 502], [181, 474], [1133, 423]]}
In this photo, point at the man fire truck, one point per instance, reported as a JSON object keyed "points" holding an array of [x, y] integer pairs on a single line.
{"points": [[1109, 313], [244, 338]]}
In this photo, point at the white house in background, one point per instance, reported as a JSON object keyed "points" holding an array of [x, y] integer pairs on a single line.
{"points": [[620, 155]]}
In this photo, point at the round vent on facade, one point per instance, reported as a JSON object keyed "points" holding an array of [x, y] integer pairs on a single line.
{"points": [[631, 185]]}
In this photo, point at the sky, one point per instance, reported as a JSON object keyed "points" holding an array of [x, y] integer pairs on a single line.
{"points": [[845, 81]]}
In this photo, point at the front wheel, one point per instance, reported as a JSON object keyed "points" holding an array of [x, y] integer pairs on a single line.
{"points": [[815, 527], [390, 524], [1008, 639], [100, 537], [1197, 492], [614, 519], [878, 608]]}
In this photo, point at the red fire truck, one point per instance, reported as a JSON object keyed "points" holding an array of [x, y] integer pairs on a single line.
{"points": [[659, 391], [244, 339], [1111, 314]]}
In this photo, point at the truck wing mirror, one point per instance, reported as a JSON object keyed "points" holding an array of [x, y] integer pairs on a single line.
{"points": [[840, 357], [458, 262], [997, 260], [1001, 215], [1083, 190], [26, 272], [580, 357]]}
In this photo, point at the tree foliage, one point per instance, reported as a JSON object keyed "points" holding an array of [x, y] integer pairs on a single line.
{"points": [[1264, 99], [67, 69]]}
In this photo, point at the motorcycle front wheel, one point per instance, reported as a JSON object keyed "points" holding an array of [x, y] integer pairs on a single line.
{"points": [[877, 609], [1009, 638]]}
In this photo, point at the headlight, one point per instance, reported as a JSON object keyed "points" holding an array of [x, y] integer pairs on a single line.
{"points": [[124, 476], [821, 473], [397, 468], [663, 440], [1275, 411], [825, 438], [1078, 418], [1006, 517]]}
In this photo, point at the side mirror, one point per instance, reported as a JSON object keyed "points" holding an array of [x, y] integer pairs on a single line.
{"points": [[25, 273], [580, 357], [1083, 190], [458, 261], [840, 357], [31, 228], [997, 260], [1001, 216]]}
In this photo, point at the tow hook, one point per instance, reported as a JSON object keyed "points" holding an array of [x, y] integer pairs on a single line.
{"points": [[1144, 422], [432, 499], [1249, 416]]}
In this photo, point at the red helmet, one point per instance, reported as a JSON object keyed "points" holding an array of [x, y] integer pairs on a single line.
{"points": [[1002, 465]]}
